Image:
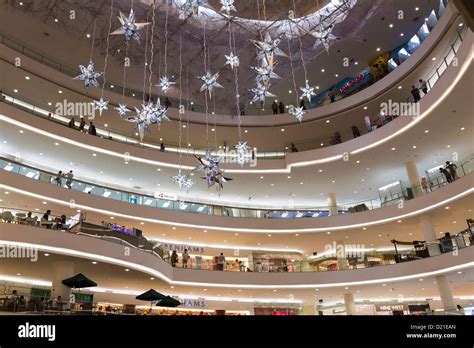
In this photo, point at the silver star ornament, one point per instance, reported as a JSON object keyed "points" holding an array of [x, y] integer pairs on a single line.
{"points": [[232, 60], [101, 105], [308, 92], [165, 83], [88, 75], [129, 27]]}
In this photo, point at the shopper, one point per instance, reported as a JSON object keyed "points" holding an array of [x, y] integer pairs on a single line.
{"points": [[82, 124], [174, 258], [13, 301], [69, 177], [221, 261], [162, 147], [423, 86], [275, 107], [303, 104], [293, 148], [58, 178], [45, 219], [355, 131], [281, 107], [415, 92], [167, 103], [446, 175], [451, 168], [92, 130], [332, 96], [72, 123], [185, 258]]}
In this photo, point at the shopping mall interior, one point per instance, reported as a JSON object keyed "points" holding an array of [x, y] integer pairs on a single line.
{"points": [[237, 158]]}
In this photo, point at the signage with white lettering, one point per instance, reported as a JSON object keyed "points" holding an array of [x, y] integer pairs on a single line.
{"points": [[192, 303], [180, 248], [391, 307]]}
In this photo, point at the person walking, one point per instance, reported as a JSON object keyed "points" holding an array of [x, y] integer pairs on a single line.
{"points": [[162, 147], [221, 262], [82, 124], [69, 177], [355, 131], [446, 174], [275, 107], [167, 103], [415, 92], [72, 123], [293, 148], [185, 258], [174, 258], [303, 104], [281, 107], [423, 86], [451, 168], [58, 178], [92, 130]]}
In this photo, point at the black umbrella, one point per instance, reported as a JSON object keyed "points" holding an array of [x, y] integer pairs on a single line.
{"points": [[168, 301], [151, 295], [79, 281]]}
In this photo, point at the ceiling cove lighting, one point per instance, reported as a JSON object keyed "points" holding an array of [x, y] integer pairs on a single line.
{"points": [[234, 229], [157, 274]]}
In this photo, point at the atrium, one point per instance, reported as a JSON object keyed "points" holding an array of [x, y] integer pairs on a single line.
{"points": [[236, 158]]}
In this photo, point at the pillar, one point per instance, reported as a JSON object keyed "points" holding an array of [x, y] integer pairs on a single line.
{"points": [[332, 203], [350, 304], [430, 235], [61, 271], [445, 293], [309, 309], [413, 177], [341, 255]]}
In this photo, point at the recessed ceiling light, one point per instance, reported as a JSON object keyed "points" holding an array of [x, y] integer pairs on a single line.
{"points": [[421, 279], [94, 262], [459, 272], [126, 270], [365, 107], [289, 176], [461, 24], [151, 278], [320, 170], [142, 223], [417, 8], [191, 238], [394, 148], [27, 77], [57, 144], [462, 128], [322, 70], [111, 86], [269, 235], [88, 35], [357, 161], [364, 228], [402, 34], [236, 234], [446, 208], [94, 154], [390, 26], [414, 146], [301, 183], [328, 232], [283, 129], [322, 144], [336, 75], [246, 131], [60, 92], [454, 222], [297, 235], [327, 121], [434, 58], [172, 286], [261, 177], [56, 20], [427, 131], [379, 235], [111, 218], [317, 87], [274, 290], [15, 90], [448, 146], [46, 254], [333, 181], [21, 131], [173, 228], [399, 221], [378, 49], [399, 87]]}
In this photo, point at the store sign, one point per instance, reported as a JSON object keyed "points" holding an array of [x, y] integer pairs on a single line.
{"points": [[123, 230], [180, 248], [192, 303], [391, 307]]}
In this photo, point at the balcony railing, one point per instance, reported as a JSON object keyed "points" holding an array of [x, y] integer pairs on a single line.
{"points": [[389, 196]]}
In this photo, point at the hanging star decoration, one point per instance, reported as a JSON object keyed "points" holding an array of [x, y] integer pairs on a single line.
{"points": [[88, 75], [269, 48], [165, 84], [298, 113], [147, 115], [129, 27], [122, 109], [264, 74], [323, 36], [101, 105], [242, 150], [213, 175], [183, 181], [190, 7], [260, 93], [308, 92], [227, 6], [210, 82], [232, 60]]}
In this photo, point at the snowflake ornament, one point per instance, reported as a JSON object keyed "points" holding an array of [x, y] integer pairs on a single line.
{"points": [[165, 84], [101, 105], [122, 110], [129, 27], [232, 60], [308, 92], [88, 75]]}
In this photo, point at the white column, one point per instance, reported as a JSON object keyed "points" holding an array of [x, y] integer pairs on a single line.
{"points": [[341, 255], [61, 271], [430, 235], [331, 197], [413, 177], [445, 293], [350, 304]]}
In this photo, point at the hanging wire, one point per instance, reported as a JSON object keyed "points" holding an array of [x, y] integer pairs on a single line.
{"points": [[108, 45], [93, 41], [301, 48], [291, 64], [146, 63], [205, 94], [180, 96], [152, 53], [166, 41]]}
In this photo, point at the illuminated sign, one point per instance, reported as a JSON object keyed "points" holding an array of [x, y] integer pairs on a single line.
{"points": [[180, 248], [391, 307]]}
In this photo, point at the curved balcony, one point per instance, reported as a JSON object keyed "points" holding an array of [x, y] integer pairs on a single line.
{"points": [[31, 181], [444, 79], [48, 240], [115, 89]]}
